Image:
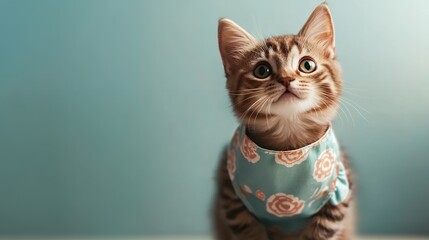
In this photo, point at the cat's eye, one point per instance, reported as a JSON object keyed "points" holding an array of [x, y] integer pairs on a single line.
{"points": [[262, 70], [307, 65]]}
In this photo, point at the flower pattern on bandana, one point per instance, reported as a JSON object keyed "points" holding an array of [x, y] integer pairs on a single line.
{"points": [[245, 190], [231, 160], [284, 205], [260, 195], [248, 149], [291, 158], [333, 183], [324, 166], [230, 164], [235, 140]]}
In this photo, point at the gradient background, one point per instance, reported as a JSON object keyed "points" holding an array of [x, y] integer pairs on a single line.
{"points": [[113, 113]]}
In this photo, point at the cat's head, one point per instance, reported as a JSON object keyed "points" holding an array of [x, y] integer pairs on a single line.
{"points": [[290, 77]]}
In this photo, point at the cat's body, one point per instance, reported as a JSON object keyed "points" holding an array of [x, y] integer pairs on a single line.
{"points": [[232, 221], [285, 90]]}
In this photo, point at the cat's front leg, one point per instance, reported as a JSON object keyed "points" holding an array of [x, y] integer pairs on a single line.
{"points": [[242, 224], [329, 223], [237, 220]]}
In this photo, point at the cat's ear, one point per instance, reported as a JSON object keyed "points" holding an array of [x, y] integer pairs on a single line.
{"points": [[319, 29], [233, 41]]}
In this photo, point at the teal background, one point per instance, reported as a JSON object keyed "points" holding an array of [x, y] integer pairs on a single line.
{"points": [[113, 113]]}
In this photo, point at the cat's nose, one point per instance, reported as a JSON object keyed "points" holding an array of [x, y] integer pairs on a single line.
{"points": [[285, 81]]}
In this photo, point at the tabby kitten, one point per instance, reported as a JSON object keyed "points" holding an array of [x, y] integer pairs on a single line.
{"points": [[283, 175]]}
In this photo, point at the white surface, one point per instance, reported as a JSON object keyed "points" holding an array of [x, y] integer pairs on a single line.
{"points": [[180, 238]]}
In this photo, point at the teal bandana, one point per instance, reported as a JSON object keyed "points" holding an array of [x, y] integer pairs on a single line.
{"points": [[283, 189]]}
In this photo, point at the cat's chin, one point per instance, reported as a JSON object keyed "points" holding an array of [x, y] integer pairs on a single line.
{"points": [[286, 107], [290, 105]]}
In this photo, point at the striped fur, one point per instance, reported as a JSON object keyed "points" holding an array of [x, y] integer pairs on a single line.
{"points": [[278, 123]]}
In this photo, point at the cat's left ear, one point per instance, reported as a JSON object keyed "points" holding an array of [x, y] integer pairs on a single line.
{"points": [[319, 30], [233, 40]]}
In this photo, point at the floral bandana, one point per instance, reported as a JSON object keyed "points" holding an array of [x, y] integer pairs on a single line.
{"points": [[283, 189]]}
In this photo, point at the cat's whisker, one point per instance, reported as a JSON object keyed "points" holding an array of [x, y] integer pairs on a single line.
{"points": [[248, 109], [330, 107], [259, 102], [270, 103], [342, 110], [354, 107], [266, 88], [355, 103], [340, 114], [250, 89], [242, 94], [268, 113], [349, 113], [260, 109], [244, 100], [262, 102], [259, 34], [256, 104], [248, 98], [247, 90], [349, 102]]}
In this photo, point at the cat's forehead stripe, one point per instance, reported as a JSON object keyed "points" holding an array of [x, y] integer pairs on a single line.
{"points": [[297, 44], [278, 61], [273, 45], [283, 47], [292, 57]]}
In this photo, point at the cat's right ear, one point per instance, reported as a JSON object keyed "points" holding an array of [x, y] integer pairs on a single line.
{"points": [[233, 41]]}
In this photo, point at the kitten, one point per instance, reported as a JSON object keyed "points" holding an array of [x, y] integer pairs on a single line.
{"points": [[283, 175]]}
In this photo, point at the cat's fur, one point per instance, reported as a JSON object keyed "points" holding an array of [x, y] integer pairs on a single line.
{"points": [[287, 110]]}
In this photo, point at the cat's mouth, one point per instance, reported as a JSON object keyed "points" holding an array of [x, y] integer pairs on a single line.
{"points": [[288, 95]]}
